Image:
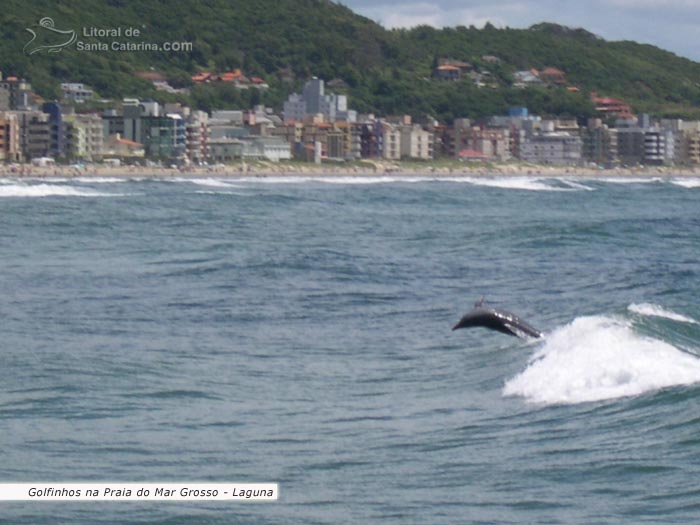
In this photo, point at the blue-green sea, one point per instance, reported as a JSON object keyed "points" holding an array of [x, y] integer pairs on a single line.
{"points": [[298, 331]]}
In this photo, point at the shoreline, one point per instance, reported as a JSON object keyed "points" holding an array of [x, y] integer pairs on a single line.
{"points": [[367, 169]]}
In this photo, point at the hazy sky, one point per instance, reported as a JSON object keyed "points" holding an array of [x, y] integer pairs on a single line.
{"points": [[673, 25]]}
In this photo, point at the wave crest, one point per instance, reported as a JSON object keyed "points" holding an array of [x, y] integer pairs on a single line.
{"points": [[48, 190], [653, 310], [598, 358]]}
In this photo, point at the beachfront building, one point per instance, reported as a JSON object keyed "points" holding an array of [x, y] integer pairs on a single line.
{"points": [[371, 139], [417, 143], [659, 147], [640, 142], [163, 134], [225, 150], [630, 145], [273, 149], [556, 147], [57, 132], [84, 137], [197, 137], [291, 132], [116, 146], [599, 143], [10, 147], [392, 142], [132, 111], [165, 137], [489, 143], [34, 134], [691, 148]]}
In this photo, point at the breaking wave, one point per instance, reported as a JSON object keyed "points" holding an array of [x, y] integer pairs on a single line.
{"points": [[686, 183], [524, 183], [213, 183], [654, 310], [600, 358], [49, 190]]}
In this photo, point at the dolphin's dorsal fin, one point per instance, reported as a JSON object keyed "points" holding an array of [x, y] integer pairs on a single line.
{"points": [[479, 303]]}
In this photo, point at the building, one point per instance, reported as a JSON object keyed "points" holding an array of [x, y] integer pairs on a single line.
{"points": [[17, 94], [34, 134], [165, 137], [4, 96], [612, 107], [197, 137], [118, 146], [659, 147], [391, 140], [552, 75], [272, 149], [451, 70], [57, 132], [315, 101], [371, 140], [294, 108], [76, 93], [691, 148], [131, 117], [225, 150], [84, 137], [630, 145], [599, 143], [525, 78], [10, 146], [557, 148], [417, 143], [267, 148], [493, 144], [447, 73]]}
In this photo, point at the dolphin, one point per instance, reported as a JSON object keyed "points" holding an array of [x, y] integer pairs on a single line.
{"points": [[497, 319]]}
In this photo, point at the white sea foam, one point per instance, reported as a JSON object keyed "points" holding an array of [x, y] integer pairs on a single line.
{"points": [[597, 358], [100, 180], [508, 182], [576, 185], [222, 192], [48, 190], [628, 180], [686, 183], [214, 183], [654, 310], [516, 183], [336, 179]]}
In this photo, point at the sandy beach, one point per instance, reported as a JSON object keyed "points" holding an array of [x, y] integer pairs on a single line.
{"points": [[373, 168]]}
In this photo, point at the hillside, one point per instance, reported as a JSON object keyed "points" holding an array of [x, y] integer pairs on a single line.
{"points": [[385, 71]]}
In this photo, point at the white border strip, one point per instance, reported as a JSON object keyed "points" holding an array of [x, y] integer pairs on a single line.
{"points": [[116, 491]]}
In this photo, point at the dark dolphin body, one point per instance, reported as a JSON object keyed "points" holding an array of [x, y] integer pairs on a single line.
{"points": [[499, 320]]}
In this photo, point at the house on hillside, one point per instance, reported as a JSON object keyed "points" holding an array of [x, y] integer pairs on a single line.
{"points": [[552, 75], [525, 78], [451, 70]]}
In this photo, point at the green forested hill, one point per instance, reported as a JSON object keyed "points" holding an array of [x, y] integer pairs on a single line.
{"points": [[386, 71]]}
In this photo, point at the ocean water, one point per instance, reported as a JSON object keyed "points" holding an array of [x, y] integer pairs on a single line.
{"points": [[298, 331]]}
